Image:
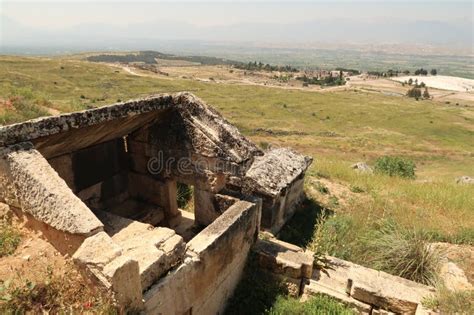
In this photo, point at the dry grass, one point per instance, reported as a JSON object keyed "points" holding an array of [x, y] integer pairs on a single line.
{"points": [[449, 302], [65, 293], [442, 209]]}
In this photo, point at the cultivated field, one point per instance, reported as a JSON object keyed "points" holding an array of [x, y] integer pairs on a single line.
{"points": [[442, 82]]}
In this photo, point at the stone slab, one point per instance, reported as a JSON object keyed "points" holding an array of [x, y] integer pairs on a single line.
{"points": [[284, 258], [36, 188]]}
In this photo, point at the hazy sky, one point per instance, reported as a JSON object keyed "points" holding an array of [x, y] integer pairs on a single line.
{"points": [[67, 13], [135, 24]]}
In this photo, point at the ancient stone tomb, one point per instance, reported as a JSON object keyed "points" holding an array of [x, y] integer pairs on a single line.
{"points": [[101, 185]]}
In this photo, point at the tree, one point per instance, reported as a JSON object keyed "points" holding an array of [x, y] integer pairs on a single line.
{"points": [[433, 72], [422, 84], [410, 81], [414, 92], [426, 94], [421, 71]]}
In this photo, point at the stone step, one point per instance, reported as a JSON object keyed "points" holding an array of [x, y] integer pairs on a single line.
{"points": [[376, 288], [157, 249], [313, 288], [139, 211], [186, 227], [284, 258]]}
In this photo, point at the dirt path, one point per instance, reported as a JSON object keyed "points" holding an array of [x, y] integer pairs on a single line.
{"points": [[51, 111]]}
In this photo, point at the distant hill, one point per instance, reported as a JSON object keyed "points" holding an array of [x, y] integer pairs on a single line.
{"points": [[149, 57]]}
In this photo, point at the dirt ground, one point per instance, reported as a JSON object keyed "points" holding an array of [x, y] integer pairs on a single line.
{"points": [[33, 258]]}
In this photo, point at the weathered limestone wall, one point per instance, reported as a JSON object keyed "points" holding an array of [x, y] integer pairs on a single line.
{"points": [[28, 182], [212, 268], [287, 204]]}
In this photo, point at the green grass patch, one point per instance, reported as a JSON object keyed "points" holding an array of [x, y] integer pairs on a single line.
{"points": [[395, 166], [256, 292], [317, 305], [10, 238]]}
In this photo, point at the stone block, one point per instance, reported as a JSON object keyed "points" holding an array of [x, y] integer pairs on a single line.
{"points": [[284, 258], [389, 297], [204, 210], [313, 288], [97, 251], [38, 190], [63, 165], [123, 275], [382, 290]]}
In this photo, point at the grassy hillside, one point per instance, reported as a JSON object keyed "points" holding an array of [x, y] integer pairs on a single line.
{"points": [[336, 128]]}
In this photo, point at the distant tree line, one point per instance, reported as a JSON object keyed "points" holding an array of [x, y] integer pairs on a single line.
{"points": [[422, 71], [325, 81], [260, 66], [353, 71], [142, 56], [394, 73], [149, 57]]}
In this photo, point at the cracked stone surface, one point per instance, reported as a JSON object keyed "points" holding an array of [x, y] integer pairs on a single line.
{"points": [[274, 171]]}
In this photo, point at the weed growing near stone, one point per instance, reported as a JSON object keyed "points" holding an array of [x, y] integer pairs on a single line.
{"points": [[319, 304], [400, 252], [9, 239], [451, 302]]}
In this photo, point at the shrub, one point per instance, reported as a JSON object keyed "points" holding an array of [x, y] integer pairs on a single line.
{"points": [[426, 94], [319, 304], [395, 166], [321, 188], [451, 302], [333, 236], [357, 189], [400, 252], [414, 92], [264, 145], [9, 239], [184, 194]]}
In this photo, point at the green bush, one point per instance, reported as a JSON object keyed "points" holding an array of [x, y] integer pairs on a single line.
{"points": [[184, 194], [319, 304], [323, 189], [334, 235], [9, 239], [395, 166]]}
